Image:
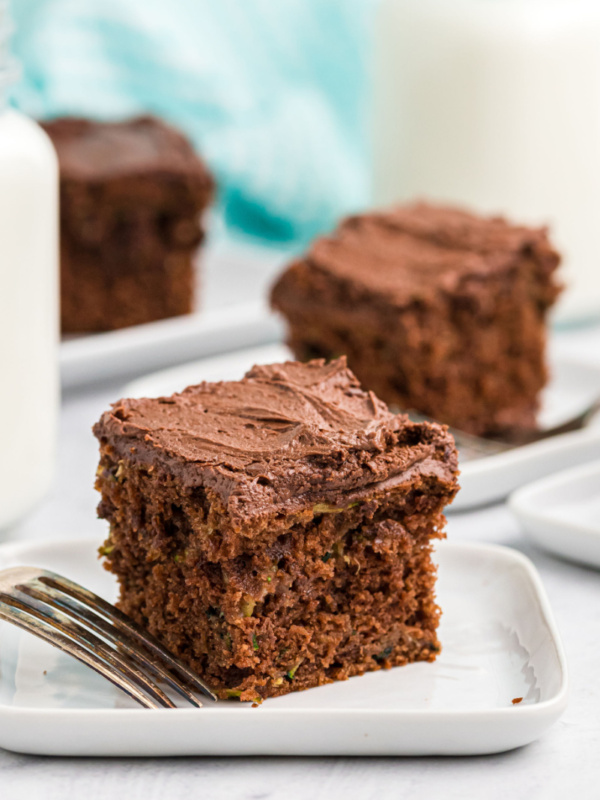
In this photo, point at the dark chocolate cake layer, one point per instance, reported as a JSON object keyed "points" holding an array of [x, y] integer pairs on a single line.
{"points": [[275, 532], [131, 198], [437, 310]]}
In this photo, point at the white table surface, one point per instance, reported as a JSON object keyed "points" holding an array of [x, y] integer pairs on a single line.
{"points": [[564, 763]]}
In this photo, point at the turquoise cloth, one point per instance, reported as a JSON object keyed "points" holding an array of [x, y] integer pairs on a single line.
{"points": [[271, 92]]}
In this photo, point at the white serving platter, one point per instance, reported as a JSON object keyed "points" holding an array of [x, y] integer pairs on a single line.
{"points": [[500, 644], [484, 480], [561, 513], [232, 312]]}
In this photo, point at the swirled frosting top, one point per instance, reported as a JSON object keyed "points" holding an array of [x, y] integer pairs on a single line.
{"points": [[421, 250], [285, 434], [89, 150]]}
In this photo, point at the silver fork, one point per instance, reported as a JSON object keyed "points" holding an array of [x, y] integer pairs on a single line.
{"points": [[84, 625], [472, 447]]}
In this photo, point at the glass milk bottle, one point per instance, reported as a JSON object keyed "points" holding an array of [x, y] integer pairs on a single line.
{"points": [[28, 303], [495, 105]]}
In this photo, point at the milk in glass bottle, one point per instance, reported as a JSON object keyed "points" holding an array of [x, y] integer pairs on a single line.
{"points": [[28, 301]]}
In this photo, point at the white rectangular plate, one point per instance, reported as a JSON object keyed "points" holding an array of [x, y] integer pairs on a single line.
{"points": [[234, 281], [562, 513], [484, 480], [499, 642]]}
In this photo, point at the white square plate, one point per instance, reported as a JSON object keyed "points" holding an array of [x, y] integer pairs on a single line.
{"points": [[562, 513], [499, 640], [484, 480]]}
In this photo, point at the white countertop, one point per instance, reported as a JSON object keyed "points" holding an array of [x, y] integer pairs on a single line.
{"points": [[564, 763]]}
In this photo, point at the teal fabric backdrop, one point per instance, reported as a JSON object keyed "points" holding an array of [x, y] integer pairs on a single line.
{"points": [[272, 92]]}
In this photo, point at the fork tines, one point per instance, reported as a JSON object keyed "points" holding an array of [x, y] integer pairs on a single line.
{"points": [[84, 625]]}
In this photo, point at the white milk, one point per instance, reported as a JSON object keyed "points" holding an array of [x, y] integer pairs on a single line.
{"points": [[28, 309], [495, 104]]}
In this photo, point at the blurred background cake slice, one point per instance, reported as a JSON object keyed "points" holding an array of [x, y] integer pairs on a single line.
{"points": [[132, 194], [437, 310]]}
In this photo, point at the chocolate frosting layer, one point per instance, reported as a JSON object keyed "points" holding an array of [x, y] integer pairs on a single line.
{"points": [[91, 151], [418, 250], [285, 436]]}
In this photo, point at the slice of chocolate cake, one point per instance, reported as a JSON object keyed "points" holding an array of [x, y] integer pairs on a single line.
{"points": [[131, 196], [437, 310], [275, 532]]}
